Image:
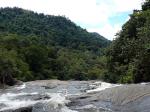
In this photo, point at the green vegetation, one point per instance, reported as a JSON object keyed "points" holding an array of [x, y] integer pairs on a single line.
{"points": [[129, 54], [36, 46]]}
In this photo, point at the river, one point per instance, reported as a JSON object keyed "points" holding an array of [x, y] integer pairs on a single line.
{"points": [[73, 96]]}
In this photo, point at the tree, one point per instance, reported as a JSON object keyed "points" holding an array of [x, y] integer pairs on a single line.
{"points": [[128, 56]]}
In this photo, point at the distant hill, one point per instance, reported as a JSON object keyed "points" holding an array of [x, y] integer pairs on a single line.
{"points": [[55, 30], [37, 46]]}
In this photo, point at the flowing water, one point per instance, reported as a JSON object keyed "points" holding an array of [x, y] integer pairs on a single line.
{"points": [[44, 96]]}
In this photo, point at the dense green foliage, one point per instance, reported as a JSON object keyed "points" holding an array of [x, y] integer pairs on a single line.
{"points": [[129, 54], [37, 46]]}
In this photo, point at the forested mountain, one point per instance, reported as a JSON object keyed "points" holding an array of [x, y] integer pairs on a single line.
{"points": [[54, 30], [129, 55], [37, 46]]}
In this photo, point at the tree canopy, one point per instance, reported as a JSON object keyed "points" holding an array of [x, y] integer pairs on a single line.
{"points": [[129, 54], [37, 46]]}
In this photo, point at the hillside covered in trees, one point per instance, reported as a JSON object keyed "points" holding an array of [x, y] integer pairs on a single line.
{"points": [[129, 54], [36, 46]]}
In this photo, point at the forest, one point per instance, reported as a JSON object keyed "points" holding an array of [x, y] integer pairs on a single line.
{"points": [[35, 46], [129, 54]]}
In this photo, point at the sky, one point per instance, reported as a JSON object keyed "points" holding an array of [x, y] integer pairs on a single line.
{"points": [[105, 17]]}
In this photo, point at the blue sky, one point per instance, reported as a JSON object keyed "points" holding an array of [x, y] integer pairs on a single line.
{"points": [[103, 16], [119, 18]]}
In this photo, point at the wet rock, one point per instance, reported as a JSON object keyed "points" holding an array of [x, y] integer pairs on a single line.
{"points": [[2, 105], [50, 85], [9, 83], [33, 97], [92, 110], [22, 109], [47, 107], [42, 97], [40, 107], [127, 98], [18, 82]]}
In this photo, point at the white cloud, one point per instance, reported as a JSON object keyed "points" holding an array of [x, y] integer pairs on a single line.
{"points": [[127, 5], [87, 12], [107, 30]]}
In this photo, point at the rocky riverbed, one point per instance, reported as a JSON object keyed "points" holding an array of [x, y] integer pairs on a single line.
{"points": [[75, 96]]}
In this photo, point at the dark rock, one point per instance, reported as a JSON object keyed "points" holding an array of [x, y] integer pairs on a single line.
{"points": [[18, 82], [52, 86], [10, 82], [43, 97], [40, 107], [22, 109]]}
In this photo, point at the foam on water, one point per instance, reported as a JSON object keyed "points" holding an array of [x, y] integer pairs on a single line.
{"points": [[144, 83], [21, 87], [10, 102], [18, 104], [99, 86], [58, 99]]}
